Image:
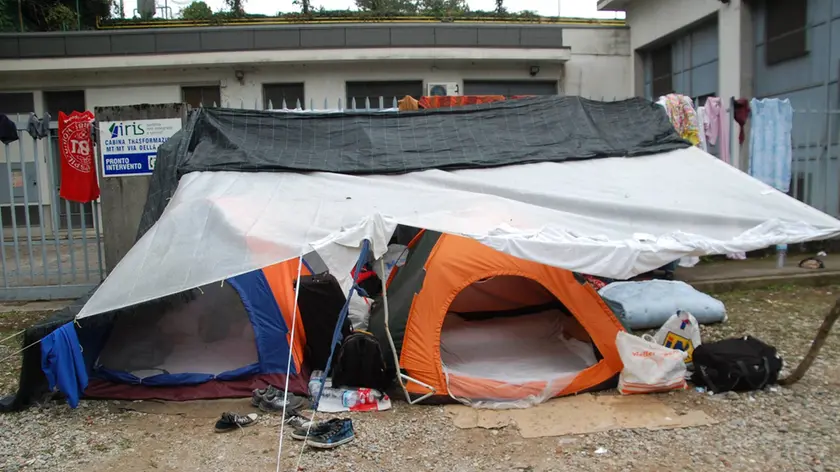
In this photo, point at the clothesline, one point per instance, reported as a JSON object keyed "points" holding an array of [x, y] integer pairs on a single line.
{"points": [[770, 141]]}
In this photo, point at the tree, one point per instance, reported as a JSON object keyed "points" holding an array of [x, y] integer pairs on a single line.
{"points": [[236, 7], [500, 7], [443, 7], [305, 7], [197, 11], [393, 7], [52, 15]]}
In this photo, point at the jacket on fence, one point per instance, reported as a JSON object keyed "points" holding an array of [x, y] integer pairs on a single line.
{"points": [[8, 130]]}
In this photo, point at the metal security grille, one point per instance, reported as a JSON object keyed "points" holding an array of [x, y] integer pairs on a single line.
{"points": [[51, 248]]}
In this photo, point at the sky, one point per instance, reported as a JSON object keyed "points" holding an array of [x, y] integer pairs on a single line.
{"points": [[575, 8]]}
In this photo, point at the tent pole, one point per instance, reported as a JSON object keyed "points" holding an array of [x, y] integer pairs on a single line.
{"points": [[400, 375]]}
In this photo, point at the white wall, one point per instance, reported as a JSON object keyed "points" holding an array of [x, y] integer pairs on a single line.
{"points": [[650, 20], [600, 65]]}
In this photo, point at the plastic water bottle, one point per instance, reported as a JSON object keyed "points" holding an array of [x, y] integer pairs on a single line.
{"points": [[781, 255], [315, 383], [352, 398]]}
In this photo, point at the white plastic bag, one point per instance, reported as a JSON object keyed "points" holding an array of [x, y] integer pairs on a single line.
{"points": [[648, 367], [680, 332]]}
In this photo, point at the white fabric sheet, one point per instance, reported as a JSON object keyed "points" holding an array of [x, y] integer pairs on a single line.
{"points": [[612, 217]]}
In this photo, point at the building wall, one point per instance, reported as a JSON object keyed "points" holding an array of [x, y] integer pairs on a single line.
{"points": [[653, 21], [599, 66], [694, 62], [811, 84], [600, 63]]}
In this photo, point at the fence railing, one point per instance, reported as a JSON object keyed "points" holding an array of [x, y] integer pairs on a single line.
{"points": [[51, 247]]}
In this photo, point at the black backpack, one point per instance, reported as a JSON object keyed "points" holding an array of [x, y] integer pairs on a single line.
{"points": [[360, 364], [737, 364]]}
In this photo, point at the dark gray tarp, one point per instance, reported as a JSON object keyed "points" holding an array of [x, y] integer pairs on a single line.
{"points": [[540, 129]]}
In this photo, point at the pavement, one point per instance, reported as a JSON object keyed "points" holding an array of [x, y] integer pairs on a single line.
{"points": [[753, 273]]}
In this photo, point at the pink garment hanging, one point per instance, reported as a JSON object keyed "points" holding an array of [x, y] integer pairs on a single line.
{"points": [[717, 126]]}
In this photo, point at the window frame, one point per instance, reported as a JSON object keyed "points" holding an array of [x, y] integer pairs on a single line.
{"points": [[387, 98], [779, 32], [282, 85], [215, 87], [659, 55]]}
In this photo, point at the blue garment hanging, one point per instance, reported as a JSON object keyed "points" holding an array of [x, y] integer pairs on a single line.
{"points": [[771, 148], [63, 363]]}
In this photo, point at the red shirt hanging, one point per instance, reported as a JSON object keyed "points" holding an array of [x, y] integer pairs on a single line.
{"points": [[78, 171]]}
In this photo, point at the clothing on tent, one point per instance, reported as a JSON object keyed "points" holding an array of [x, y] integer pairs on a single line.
{"points": [[702, 124], [39, 127], [681, 112], [717, 127], [742, 114], [8, 130], [408, 103], [447, 101], [771, 150], [63, 363]]}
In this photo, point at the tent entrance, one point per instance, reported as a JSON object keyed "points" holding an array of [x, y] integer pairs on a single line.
{"points": [[211, 334], [508, 338]]}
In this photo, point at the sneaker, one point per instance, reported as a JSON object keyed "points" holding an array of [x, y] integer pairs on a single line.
{"points": [[297, 422], [317, 428], [231, 421], [340, 432], [294, 404], [261, 393]]}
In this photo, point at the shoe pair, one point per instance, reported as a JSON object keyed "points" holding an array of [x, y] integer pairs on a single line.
{"points": [[326, 434], [261, 394], [231, 421], [271, 399]]}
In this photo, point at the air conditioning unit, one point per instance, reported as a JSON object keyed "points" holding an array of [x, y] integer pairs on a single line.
{"points": [[442, 89]]}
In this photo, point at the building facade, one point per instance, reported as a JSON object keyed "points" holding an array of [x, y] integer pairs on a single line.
{"points": [[252, 66], [260, 67], [744, 49]]}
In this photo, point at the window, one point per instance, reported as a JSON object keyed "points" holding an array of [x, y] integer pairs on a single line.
{"points": [[67, 101], [662, 74], [510, 88], [202, 96], [387, 90], [17, 103], [786, 24], [276, 94]]}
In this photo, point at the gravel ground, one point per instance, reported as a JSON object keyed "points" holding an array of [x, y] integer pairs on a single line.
{"points": [[780, 429]]}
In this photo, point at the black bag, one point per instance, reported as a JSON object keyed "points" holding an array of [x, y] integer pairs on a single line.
{"points": [[360, 364], [737, 364], [320, 302]]}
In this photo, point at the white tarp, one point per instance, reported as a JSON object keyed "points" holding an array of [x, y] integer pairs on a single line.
{"points": [[613, 217]]}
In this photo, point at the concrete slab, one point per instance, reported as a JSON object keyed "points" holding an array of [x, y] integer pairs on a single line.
{"points": [[729, 275], [30, 307]]}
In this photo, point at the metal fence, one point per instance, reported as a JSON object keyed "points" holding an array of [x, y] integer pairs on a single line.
{"points": [[52, 248]]}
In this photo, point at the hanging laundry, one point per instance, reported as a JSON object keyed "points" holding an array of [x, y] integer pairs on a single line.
{"points": [[448, 101], [717, 130], [702, 122], [681, 112], [38, 127], [408, 103], [8, 130], [742, 114], [771, 149]]}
